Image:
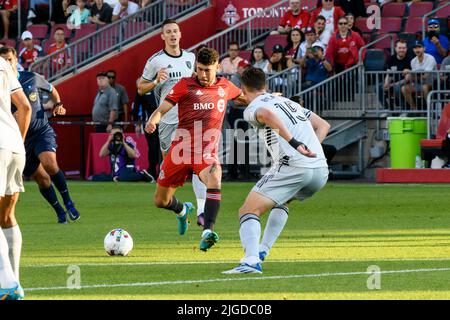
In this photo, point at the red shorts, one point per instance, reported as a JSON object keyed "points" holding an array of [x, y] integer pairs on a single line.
{"points": [[175, 171]]}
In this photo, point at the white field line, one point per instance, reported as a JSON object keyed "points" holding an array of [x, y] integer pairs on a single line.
{"points": [[162, 263], [181, 282]]}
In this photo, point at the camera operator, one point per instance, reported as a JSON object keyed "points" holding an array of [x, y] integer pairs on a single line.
{"points": [[436, 44], [122, 159]]}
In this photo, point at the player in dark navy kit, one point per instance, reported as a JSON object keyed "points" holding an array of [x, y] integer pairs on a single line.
{"points": [[40, 141]]}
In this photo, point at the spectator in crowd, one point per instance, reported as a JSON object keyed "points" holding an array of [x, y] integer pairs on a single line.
{"points": [[295, 17], [7, 8], [106, 104], [278, 60], [32, 7], [317, 66], [80, 15], [30, 51], [342, 50], [112, 3], [351, 22], [310, 38], [123, 9], [144, 3], [236, 169], [323, 35], [122, 95], [419, 83], [143, 107], [60, 11], [122, 155], [230, 63], [354, 7], [259, 58], [63, 58], [101, 13], [293, 50], [330, 12], [399, 62], [436, 44]]}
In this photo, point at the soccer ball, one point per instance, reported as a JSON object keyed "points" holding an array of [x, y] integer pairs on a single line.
{"points": [[118, 242]]}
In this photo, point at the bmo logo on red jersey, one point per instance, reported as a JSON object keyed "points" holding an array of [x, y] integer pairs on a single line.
{"points": [[204, 106]]}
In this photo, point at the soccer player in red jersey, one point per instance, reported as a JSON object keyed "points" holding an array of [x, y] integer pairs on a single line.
{"points": [[202, 101]]}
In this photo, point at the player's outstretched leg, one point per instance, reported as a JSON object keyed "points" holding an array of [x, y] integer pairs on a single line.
{"points": [[212, 176], [48, 160], [165, 199], [250, 232], [275, 223], [48, 192], [200, 193]]}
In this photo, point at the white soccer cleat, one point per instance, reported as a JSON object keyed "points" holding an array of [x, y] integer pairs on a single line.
{"points": [[244, 268]]}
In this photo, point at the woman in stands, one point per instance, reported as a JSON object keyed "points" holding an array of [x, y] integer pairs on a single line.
{"points": [[294, 39], [278, 60], [259, 58]]}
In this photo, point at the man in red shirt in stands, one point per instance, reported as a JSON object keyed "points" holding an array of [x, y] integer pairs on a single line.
{"points": [[30, 51], [7, 7], [293, 18], [343, 48], [331, 13], [202, 100], [62, 59]]}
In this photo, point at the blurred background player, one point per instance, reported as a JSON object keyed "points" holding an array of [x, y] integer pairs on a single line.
{"points": [[40, 142], [162, 71], [12, 162], [195, 146], [299, 167]]}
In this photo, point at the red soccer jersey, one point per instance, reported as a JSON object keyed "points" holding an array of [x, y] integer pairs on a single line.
{"points": [[8, 4], [200, 112], [60, 60], [27, 57], [295, 21]]}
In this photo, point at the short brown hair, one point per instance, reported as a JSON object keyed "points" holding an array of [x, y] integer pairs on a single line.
{"points": [[207, 56], [7, 49], [168, 21], [253, 79]]}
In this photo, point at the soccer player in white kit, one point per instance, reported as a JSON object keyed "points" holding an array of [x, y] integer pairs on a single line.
{"points": [[293, 136], [12, 162], [162, 71]]}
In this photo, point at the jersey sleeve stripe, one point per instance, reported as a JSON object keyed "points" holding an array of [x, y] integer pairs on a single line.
{"points": [[170, 101]]}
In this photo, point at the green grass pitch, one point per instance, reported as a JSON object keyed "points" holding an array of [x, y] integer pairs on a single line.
{"points": [[324, 252]]}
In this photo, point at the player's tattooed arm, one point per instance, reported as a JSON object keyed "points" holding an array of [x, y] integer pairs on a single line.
{"points": [[156, 116]]}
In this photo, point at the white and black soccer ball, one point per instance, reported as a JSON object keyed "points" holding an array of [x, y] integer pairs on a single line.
{"points": [[118, 242]]}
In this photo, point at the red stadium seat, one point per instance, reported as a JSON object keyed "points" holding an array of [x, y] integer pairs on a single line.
{"points": [[419, 9], [385, 43], [361, 24], [8, 42], [444, 12], [309, 4], [84, 30], [38, 31], [273, 40], [246, 54], [393, 9], [414, 25], [133, 28], [67, 31], [389, 25]]}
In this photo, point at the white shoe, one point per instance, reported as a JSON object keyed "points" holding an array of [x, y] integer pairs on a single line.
{"points": [[244, 268], [31, 14]]}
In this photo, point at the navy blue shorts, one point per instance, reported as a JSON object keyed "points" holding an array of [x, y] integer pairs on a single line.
{"points": [[35, 145]]}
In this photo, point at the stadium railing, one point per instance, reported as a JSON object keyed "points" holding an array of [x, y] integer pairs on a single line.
{"points": [[436, 100], [114, 36], [286, 82]]}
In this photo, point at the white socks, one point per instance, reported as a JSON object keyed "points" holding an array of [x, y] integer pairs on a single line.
{"points": [[200, 193], [14, 239], [7, 278], [250, 233], [275, 224]]}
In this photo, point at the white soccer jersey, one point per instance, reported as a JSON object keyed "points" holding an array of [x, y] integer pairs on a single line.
{"points": [[10, 137], [177, 68], [296, 120]]}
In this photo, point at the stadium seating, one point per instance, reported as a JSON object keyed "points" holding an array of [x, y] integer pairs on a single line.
{"points": [[361, 24], [390, 25], [246, 54], [393, 9], [419, 9], [39, 31], [374, 60], [84, 30], [273, 40], [385, 43], [9, 42], [438, 146], [444, 12], [413, 25]]}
